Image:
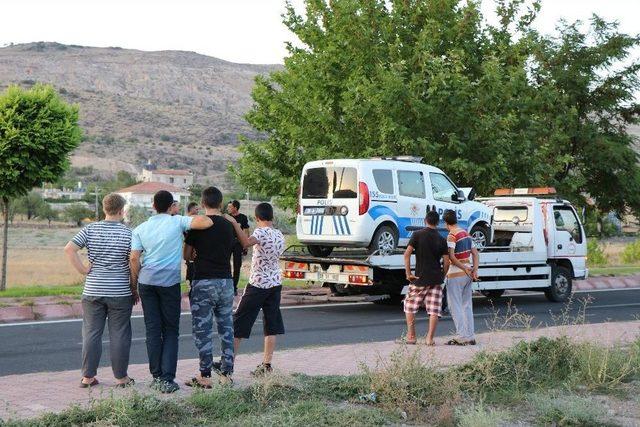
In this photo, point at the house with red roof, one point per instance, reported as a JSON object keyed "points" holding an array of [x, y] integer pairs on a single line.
{"points": [[141, 194]]}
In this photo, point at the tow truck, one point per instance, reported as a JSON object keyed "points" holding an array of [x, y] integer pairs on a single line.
{"points": [[537, 244]]}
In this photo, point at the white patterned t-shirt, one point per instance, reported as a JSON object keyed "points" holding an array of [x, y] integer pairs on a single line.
{"points": [[265, 262]]}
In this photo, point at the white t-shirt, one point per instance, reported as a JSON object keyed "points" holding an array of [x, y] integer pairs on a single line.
{"points": [[265, 262]]}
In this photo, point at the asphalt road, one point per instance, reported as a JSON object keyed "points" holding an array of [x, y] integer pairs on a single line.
{"points": [[55, 345]]}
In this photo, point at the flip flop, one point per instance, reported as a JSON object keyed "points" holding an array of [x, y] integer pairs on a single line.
{"points": [[430, 344], [405, 341], [93, 383], [455, 342], [196, 384], [129, 383]]}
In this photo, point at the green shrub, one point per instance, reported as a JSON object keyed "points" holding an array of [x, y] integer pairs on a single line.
{"points": [[568, 410], [481, 416], [595, 254], [631, 253], [222, 404], [603, 368]]}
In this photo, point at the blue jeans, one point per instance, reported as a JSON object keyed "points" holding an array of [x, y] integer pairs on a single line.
{"points": [[209, 298], [161, 306]]}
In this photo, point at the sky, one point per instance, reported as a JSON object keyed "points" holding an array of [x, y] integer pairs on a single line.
{"points": [[247, 31]]}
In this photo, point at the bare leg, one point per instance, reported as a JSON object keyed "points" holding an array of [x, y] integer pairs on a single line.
{"points": [[433, 322], [411, 327], [236, 345], [269, 347]]}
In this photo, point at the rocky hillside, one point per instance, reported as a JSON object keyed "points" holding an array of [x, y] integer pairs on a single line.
{"points": [[180, 109]]}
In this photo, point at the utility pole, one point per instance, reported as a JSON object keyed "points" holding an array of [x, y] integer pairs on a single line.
{"points": [[96, 192]]}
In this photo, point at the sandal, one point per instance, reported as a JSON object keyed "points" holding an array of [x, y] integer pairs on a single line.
{"points": [[129, 383], [430, 343], [93, 383], [193, 382], [405, 341], [455, 342]]}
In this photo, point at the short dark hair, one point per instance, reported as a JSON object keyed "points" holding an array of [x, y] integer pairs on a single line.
{"points": [[450, 217], [191, 206], [235, 203], [211, 197], [433, 218], [162, 201], [264, 212]]}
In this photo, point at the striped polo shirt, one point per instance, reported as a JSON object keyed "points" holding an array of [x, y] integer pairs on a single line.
{"points": [[108, 246], [461, 243]]}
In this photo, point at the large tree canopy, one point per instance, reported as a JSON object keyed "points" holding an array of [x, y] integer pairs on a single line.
{"points": [[493, 105], [38, 130]]}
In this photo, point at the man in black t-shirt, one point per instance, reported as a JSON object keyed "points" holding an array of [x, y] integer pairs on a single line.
{"points": [[425, 285], [211, 291], [233, 208]]}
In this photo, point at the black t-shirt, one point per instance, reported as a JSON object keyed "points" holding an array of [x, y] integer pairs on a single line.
{"points": [[243, 221], [213, 249], [429, 248]]}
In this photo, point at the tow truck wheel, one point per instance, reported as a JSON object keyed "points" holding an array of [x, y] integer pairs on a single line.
{"points": [[320, 251], [480, 235], [493, 294], [384, 241], [560, 289], [339, 289]]}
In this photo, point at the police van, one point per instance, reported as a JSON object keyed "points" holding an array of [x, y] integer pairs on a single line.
{"points": [[375, 203]]}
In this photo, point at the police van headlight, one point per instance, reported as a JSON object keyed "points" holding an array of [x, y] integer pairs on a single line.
{"points": [[344, 211]]}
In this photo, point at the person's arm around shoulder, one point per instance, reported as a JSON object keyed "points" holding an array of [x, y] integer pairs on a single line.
{"points": [[198, 222], [245, 241]]}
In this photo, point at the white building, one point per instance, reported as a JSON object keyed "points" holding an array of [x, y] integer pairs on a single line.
{"points": [[141, 195], [180, 178]]}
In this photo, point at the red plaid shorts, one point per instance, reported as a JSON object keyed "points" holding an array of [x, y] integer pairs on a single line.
{"points": [[431, 296]]}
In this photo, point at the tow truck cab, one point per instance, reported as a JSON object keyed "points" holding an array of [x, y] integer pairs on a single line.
{"points": [[538, 244]]}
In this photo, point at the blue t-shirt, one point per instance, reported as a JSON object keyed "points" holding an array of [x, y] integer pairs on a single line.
{"points": [[160, 238]]}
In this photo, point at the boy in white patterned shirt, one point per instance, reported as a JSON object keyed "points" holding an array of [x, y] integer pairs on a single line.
{"points": [[265, 285]]}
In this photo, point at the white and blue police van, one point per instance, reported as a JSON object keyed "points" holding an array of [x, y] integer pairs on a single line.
{"points": [[376, 203]]}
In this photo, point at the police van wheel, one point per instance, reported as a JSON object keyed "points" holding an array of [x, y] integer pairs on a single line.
{"points": [[480, 235], [320, 251], [384, 241], [560, 289]]}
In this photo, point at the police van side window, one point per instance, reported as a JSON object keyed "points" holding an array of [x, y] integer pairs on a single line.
{"points": [[442, 188], [384, 180], [411, 184], [566, 220]]}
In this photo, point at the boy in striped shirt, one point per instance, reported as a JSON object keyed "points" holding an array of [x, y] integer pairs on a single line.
{"points": [[462, 272]]}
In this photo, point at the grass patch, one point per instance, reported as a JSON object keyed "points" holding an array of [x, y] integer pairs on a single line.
{"points": [[568, 410], [479, 415], [41, 291], [614, 270]]}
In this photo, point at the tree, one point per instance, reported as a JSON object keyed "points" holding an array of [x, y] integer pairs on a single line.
{"points": [[29, 204], [38, 130], [45, 211], [597, 86], [428, 78], [77, 213]]}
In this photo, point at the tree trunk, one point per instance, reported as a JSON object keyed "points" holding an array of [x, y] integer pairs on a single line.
{"points": [[5, 236]]}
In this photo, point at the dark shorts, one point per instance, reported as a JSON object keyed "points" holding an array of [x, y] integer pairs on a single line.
{"points": [[253, 300]]}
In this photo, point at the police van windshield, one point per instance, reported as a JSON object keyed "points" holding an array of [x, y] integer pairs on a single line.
{"points": [[335, 182]]}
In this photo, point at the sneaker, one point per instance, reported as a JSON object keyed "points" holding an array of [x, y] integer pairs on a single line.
{"points": [[156, 383], [169, 387], [262, 369]]}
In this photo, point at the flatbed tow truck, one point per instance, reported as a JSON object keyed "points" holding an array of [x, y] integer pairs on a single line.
{"points": [[537, 244]]}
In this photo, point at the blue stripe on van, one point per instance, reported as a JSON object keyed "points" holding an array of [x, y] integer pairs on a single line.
{"points": [[346, 225]]}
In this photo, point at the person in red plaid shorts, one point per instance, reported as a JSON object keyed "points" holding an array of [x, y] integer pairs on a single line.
{"points": [[425, 285]]}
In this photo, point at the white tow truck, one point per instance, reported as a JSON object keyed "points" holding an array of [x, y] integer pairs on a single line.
{"points": [[537, 244]]}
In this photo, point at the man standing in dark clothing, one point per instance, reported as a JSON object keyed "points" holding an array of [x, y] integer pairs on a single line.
{"points": [[233, 208], [425, 285], [211, 294]]}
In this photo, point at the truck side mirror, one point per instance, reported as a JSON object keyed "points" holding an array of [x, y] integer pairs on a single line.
{"points": [[458, 196]]}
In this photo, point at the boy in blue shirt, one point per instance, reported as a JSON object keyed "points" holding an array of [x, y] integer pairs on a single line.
{"points": [[158, 279]]}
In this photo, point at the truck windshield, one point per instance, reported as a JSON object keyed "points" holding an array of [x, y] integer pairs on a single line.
{"points": [[334, 182], [507, 213]]}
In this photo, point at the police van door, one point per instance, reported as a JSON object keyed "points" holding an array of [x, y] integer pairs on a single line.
{"points": [[412, 202]]}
